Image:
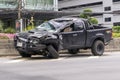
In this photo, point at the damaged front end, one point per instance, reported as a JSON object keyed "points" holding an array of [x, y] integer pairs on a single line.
{"points": [[29, 45]]}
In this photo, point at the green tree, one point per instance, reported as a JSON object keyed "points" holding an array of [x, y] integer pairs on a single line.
{"points": [[93, 20], [86, 14]]}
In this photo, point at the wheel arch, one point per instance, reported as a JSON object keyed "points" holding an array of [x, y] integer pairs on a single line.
{"points": [[54, 42], [98, 38]]}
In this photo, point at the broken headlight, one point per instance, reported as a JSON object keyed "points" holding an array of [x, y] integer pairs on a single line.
{"points": [[34, 40]]}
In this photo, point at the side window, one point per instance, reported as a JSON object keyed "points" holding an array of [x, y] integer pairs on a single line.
{"points": [[78, 26], [67, 29], [88, 25]]}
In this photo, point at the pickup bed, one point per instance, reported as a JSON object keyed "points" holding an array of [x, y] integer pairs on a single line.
{"points": [[70, 34]]}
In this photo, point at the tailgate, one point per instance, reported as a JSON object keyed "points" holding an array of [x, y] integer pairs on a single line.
{"points": [[108, 35]]}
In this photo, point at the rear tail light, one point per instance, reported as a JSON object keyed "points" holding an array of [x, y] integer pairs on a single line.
{"points": [[110, 32]]}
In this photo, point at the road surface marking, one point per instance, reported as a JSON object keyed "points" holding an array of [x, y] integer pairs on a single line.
{"points": [[57, 59], [93, 57], [14, 61], [45, 60]]}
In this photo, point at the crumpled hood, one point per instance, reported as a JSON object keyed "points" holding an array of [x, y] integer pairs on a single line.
{"points": [[33, 33]]}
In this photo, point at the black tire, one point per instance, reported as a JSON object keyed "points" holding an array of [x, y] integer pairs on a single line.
{"points": [[73, 51], [98, 48], [24, 55], [52, 53]]}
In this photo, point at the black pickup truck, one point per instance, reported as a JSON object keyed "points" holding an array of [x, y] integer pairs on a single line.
{"points": [[70, 34]]}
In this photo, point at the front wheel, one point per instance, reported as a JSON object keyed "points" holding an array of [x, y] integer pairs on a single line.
{"points": [[52, 52], [98, 48]]}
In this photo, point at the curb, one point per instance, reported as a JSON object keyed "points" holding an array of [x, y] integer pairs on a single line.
{"points": [[7, 47], [15, 53]]}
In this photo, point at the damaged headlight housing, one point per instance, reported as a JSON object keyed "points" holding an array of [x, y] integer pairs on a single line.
{"points": [[34, 40]]}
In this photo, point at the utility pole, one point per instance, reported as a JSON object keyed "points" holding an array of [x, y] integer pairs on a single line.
{"points": [[19, 8], [55, 5], [19, 23]]}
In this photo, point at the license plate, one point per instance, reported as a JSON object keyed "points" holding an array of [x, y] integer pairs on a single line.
{"points": [[19, 44]]}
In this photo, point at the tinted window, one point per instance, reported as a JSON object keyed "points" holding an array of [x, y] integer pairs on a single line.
{"points": [[78, 26], [116, 24], [39, 4], [107, 8], [116, 0], [8, 4], [108, 19]]}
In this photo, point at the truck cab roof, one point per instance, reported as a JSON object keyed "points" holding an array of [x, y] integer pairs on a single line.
{"points": [[68, 19]]}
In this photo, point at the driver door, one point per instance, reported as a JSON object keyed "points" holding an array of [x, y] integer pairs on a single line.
{"points": [[73, 38]]}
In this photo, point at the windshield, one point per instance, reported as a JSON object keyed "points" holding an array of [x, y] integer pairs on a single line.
{"points": [[53, 25], [46, 27]]}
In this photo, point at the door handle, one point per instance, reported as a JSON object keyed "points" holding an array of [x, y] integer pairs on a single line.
{"points": [[75, 34]]}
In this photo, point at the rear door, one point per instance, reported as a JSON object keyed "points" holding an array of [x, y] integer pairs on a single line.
{"points": [[74, 38]]}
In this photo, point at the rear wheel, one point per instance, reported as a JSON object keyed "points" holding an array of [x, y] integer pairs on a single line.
{"points": [[98, 48], [52, 52], [73, 51], [24, 54]]}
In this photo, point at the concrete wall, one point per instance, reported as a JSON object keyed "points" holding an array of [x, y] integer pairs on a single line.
{"points": [[116, 6], [116, 18], [100, 19], [114, 45], [7, 48]]}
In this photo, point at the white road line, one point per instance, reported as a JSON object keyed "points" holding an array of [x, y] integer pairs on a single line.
{"points": [[14, 61], [57, 59], [46, 60], [21, 60], [93, 57]]}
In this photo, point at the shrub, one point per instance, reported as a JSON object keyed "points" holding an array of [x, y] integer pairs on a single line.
{"points": [[116, 35], [9, 30], [86, 15], [30, 27], [3, 36], [6, 36], [116, 29], [93, 20]]}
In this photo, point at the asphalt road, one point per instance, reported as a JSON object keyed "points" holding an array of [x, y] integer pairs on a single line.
{"points": [[67, 67]]}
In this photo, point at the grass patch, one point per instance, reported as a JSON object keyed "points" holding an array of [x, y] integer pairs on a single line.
{"points": [[116, 35]]}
